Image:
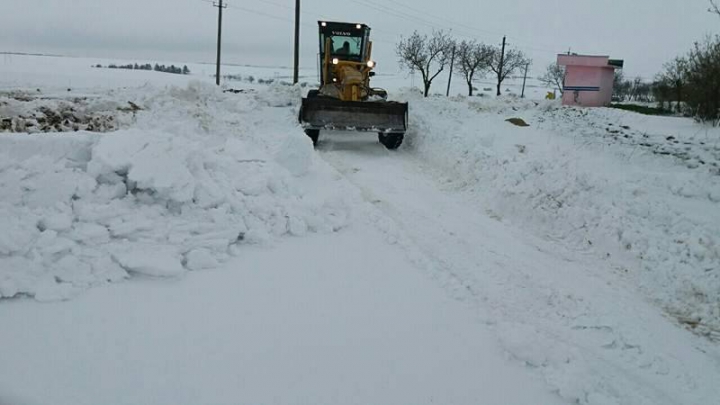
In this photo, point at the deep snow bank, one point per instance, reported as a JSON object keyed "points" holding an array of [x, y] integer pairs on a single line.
{"points": [[28, 112], [654, 216], [191, 177]]}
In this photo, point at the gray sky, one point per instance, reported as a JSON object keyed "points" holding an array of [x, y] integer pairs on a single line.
{"points": [[646, 33]]}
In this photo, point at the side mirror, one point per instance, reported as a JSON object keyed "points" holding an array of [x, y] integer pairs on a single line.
{"points": [[371, 74]]}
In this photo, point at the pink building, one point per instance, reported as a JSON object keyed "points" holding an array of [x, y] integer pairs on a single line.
{"points": [[588, 79]]}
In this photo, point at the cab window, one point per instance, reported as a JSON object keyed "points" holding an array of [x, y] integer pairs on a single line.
{"points": [[348, 46]]}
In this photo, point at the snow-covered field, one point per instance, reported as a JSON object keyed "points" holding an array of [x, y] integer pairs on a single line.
{"points": [[189, 245], [58, 74]]}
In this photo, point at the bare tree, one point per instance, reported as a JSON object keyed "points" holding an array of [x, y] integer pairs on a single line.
{"points": [[472, 58], [504, 66], [714, 8], [621, 87], [661, 91], [429, 56], [554, 76], [703, 80], [636, 87], [675, 76]]}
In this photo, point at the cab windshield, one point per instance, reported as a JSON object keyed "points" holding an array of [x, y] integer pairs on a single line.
{"points": [[349, 47]]}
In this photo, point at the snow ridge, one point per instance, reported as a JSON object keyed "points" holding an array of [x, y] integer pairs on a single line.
{"points": [[654, 217], [178, 191]]}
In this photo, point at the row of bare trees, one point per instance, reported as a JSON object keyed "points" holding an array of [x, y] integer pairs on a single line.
{"points": [[431, 55], [692, 81], [634, 89]]}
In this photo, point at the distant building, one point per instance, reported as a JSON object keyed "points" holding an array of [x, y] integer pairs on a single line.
{"points": [[588, 79]]}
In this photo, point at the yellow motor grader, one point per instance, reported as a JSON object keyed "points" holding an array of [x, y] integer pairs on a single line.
{"points": [[345, 100]]}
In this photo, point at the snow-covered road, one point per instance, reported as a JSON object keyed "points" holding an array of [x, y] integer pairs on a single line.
{"points": [[325, 319], [594, 339]]}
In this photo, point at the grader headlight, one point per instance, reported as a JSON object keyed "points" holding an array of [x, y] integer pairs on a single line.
{"points": [[335, 61], [371, 64]]}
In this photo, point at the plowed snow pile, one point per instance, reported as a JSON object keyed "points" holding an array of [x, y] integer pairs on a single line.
{"points": [[33, 113], [177, 187], [641, 192]]}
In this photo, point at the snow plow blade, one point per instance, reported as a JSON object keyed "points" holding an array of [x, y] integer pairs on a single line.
{"points": [[333, 114]]}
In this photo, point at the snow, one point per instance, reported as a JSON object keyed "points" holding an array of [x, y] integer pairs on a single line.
{"points": [[652, 217], [590, 334], [52, 74], [296, 155], [286, 329], [173, 180], [572, 261], [149, 260]]}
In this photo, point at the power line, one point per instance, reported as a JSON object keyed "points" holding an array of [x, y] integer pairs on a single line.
{"points": [[466, 26], [315, 16], [309, 25], [447, 20], [252, 11], [397, 13], [405, 15], [382, 32], [381, 35], [401, 14], [388, 10]]}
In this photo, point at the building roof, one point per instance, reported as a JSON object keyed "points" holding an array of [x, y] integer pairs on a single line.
{"points": [[589, 61]]}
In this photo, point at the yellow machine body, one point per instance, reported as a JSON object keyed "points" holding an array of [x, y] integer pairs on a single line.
{"points": [[345, 99]]}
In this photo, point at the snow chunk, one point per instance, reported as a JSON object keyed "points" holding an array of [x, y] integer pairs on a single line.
{"points": [[71, 270], [279, 95], [49, 290], [59, 221], [161, 168], [90, 233], [150, 260], [151, 161], [16, 234], [201, 259], [296, 154]]}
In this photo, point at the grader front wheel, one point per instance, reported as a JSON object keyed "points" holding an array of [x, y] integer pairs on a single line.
{"points": [[313, 134], [391, 141]]}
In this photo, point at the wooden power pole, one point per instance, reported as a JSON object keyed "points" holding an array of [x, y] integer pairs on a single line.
{"points": [[452, 63], [220, 7], [502, 64], [524, 80], [297, 42]]}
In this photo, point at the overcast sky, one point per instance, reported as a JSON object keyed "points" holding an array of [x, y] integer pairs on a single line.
{"points": [[645, 33]]}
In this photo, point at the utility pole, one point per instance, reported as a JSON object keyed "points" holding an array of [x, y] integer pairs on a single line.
{"points": [[220, 7], [524, 79], [452, 63], [502, 64], [297, 42]]}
